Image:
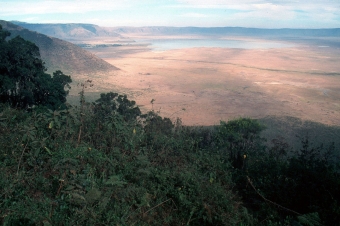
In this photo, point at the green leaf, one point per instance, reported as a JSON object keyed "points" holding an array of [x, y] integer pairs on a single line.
{"points": [[46, 223], [93, 195], [77, 199], [69, 188], [48, 150], [310, 219], [115, 180]]}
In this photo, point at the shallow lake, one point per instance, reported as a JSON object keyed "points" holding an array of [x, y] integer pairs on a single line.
{"points": [[168, 44]]}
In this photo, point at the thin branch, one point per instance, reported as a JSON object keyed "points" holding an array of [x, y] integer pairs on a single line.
{"points": [[267, 200], [22, 154], [79, 134], [158, 205]]}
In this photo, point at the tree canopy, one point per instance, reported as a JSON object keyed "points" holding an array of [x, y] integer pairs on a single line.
{"points": [[114, 102], [24, 82]]}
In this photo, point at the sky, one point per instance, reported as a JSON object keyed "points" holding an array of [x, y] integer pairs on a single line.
{"points": [[179, 13]]}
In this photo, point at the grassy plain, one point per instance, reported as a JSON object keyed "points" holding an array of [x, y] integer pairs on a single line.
{"points": [[205, 85]]}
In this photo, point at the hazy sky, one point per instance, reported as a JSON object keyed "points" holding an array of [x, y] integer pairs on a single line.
{"points": [[201, 13]]}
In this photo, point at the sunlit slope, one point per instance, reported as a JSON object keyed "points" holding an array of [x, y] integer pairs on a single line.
{"points": [[71, 32], [59, 54]]}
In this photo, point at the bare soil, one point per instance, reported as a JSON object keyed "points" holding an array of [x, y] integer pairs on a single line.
{"points": [[205, 85]]}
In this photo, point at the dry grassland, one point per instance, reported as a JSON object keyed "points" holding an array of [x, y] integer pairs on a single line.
{"points": [[205, 85]]}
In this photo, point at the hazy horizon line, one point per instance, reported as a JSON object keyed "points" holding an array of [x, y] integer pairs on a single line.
{"points": [[126, 26]]}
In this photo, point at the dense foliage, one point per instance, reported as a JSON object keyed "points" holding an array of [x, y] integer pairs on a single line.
{"points": [[73, 167], [23, 81], [106, 163]]}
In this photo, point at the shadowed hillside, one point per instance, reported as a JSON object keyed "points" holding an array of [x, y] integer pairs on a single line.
{"points": [[59, 54], [294, 130]]}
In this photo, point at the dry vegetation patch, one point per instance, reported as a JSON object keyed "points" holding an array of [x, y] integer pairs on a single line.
{"points": [[214, 84]]}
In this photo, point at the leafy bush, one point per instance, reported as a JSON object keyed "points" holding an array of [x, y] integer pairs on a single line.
{"points": [[71, 167]]}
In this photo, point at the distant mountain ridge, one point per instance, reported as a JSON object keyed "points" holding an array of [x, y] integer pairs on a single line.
{"points": [[238, 31], [69, 31], [59, 54]]}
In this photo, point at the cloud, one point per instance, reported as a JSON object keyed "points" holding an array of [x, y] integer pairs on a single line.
{"points": [[268, 13], [321, 5], [194, 15], [61, 6], [260, 13], [216, 2]]}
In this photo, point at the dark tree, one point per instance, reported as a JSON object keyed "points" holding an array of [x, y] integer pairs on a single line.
{"points": [[23, 81], [109, 103], [155, 124], [240, 137]]}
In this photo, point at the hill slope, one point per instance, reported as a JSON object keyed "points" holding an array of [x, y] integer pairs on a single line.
{"points": [[59, 54], [72, 32]]}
